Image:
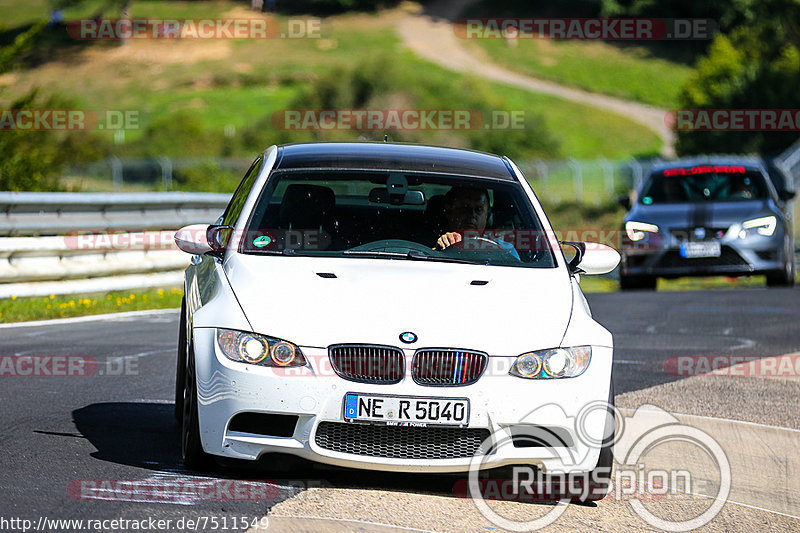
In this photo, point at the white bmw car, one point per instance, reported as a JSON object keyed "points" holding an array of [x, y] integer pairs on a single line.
{"points": [[389, 307]]}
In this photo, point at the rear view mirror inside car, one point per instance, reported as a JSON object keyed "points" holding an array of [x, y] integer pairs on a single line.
{"points": [[381, 195]]}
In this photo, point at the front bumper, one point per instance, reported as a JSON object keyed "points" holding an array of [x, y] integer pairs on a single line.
{"points": [[660, 255], [499, 405]]}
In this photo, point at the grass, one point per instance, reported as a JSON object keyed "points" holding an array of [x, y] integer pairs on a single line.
{"points": [[241, 82], [630, 73], [17, 12], [651, 72], [42, 308]]}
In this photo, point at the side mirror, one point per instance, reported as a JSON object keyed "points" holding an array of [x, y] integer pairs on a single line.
{"points": [[218, 238], [193, 239], [785, 195], [592, 258], [624, 201], [202, 239]]}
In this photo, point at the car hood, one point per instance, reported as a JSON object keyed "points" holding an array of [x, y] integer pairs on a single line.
{"points": [[717, 214], [375, 300]]}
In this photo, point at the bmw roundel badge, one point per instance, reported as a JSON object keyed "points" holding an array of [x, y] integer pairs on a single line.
{"points": [[408, 337]]}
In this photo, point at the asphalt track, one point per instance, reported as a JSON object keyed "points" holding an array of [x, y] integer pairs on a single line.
{"points": [[116, 426]]}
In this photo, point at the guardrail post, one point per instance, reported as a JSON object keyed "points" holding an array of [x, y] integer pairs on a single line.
{"points": [[608, 174], [166, 172], [541, 172], [636, 168], [577, 178], [116, 171]]}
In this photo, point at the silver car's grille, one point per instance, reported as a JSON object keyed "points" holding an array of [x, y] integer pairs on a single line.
{"points": [[447, 367], [400, 442], [698, 234], [368, 363]]}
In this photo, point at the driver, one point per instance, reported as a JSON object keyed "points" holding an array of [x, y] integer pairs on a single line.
{"points": [[467, 209]]}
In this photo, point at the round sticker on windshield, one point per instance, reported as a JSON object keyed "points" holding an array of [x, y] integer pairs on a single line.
{"points": [[262, 241]]}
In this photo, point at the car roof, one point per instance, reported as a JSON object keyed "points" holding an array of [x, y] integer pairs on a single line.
{"points": [[748, 163], [393, 157]]}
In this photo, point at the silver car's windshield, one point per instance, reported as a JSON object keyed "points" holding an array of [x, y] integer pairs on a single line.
{"points": [[704, 184], [396, 215]]}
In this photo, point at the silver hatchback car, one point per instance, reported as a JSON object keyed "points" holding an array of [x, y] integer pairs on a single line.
{"points": [[706, 218]]}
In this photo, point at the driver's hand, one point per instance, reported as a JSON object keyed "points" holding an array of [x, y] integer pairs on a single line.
{"points": [[448, 239]]}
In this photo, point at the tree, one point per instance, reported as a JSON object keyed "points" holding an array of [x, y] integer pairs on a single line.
{"points": [[755, 66]]}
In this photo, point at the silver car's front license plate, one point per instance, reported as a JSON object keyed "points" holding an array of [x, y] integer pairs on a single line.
{"points": [[691, 250], [406, 410]]}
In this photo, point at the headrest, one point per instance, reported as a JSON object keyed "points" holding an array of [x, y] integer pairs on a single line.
{"points": [[306, 206]]}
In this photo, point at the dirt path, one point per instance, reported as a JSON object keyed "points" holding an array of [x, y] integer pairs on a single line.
{"points": [[430, 35]]}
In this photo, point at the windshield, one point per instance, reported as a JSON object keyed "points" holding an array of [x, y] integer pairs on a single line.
{"points": [[388, 215], [704, 184]]}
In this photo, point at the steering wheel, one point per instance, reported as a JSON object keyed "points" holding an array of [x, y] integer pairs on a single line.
{"points": [[462, 244], [393, 245]]}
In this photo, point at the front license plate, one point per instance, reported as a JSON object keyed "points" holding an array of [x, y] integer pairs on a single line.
{"points": [[692, 250], [406, 410]]}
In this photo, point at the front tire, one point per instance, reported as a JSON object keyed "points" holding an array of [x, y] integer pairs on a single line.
{"points": [[785, 276], [180, 371], [191, 446]]}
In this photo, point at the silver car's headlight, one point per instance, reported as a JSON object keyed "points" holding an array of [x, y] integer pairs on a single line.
{"points": [[553, 363], [764, 226], [245, 347], [636, 230]]}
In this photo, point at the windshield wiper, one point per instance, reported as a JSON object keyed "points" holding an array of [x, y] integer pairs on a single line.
{"points": [[285, 251], [443, 259], [367, 253], [413, 256]]}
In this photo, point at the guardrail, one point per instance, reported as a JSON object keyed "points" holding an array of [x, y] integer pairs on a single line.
{"points": [[62, 243], [30, 213]]}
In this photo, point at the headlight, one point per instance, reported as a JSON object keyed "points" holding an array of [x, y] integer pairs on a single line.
{"points": [[554, 363], [257, 349], [764, 226], [636, 230]]}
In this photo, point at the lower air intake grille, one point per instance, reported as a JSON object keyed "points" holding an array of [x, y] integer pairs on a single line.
{"points": [[447, 367], [368, 363], [400, 442]]}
